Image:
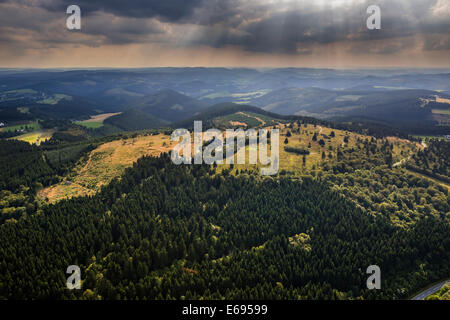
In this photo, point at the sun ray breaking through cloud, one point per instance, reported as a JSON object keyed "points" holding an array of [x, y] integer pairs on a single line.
{"points": [[226, 33]]}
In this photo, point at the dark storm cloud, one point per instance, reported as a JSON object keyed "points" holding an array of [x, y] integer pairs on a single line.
{"points": [[121, 30], [168, 10], [292, 27], [291, 31], [23, 23], [286, 31]]}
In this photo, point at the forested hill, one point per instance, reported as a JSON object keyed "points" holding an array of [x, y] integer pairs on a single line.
{"points": [[223, 109], [164, 231], [22, 164], [230, 108], [434, 161]]}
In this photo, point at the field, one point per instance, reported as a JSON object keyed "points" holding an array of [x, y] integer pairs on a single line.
{"points": [[35, 137], [24, 109], [441, 111], [22, 91], [96, 121], [31, 127], [348, 98], [241, 98], [105, 163], [33, 133], [91, 124], [55, 99], [246, 119], [442, 100]]}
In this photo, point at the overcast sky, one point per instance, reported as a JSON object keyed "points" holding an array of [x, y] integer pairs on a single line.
{"points": [[251, 33]]}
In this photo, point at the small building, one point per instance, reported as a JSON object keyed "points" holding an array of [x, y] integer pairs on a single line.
{"points": [[447, 136], [2, 124]]}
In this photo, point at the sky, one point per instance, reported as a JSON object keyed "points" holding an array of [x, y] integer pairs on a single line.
{"points": [[225, 33]]}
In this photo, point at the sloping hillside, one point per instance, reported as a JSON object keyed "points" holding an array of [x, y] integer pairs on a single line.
{"points": [[169, 105], [212, 117], [412, 108], [133, 119], [105, 163], [211, 114]]}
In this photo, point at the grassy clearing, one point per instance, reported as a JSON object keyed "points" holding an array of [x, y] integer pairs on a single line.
{"points": [[110, 160], [246, 119], [24, 109], [348, 98], [243, 98], [55, 99], [216, 95], [22, 91], [293, 163], [30, 126], [35, 137], [237, 97], [392, 88], [441, 111], [90, 125], [96, 121], [105, 163], [102, 117], [46, 135], [29, 137], [442, 100]]}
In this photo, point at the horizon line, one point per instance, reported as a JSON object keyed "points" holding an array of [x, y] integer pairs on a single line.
{"points": [[229, 67]]}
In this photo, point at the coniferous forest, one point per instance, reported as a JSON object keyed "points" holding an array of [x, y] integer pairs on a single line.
{"points": [[163, 231]]}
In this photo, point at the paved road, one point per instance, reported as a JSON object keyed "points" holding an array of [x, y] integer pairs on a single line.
{"points": [[430, 291]]}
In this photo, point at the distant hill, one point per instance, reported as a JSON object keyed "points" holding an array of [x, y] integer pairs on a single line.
{"points": [[383, 97], [169, 105], [66, 108], [118, 88], [223, 109], [292, 100], [412, 108], [44, 105], [133, 119], [214, 116]]}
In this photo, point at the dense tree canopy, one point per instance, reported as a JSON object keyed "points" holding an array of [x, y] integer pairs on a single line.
{"points": [[164, 231]]}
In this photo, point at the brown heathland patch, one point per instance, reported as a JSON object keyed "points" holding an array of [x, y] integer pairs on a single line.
{"points": [[101, 117], [304, 140], [442, 100], [105, 163], [237, 123]]}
